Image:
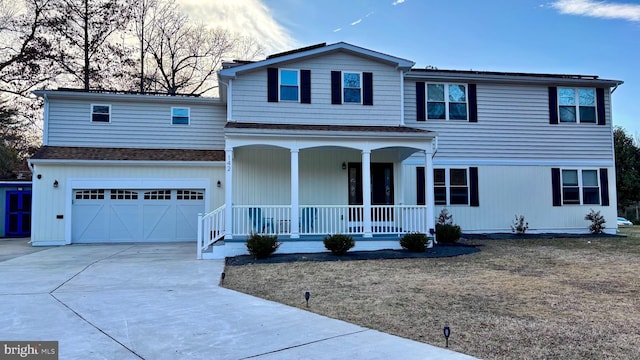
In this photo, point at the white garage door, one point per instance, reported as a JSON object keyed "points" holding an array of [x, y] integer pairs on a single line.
{"points": [[154, 215]]}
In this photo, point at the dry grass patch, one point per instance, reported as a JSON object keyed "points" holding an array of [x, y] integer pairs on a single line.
{"points": [[551, 298]]}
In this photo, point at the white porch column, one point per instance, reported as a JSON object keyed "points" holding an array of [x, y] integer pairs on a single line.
{"points": [[228, 194], [295, 197], [429, 192], [366, 192]]}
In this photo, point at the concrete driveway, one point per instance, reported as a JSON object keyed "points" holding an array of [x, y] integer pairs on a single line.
{"points": [[157, 302]]}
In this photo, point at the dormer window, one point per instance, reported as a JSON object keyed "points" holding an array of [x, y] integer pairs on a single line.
{"points": [[289, 85], [100, 113]]}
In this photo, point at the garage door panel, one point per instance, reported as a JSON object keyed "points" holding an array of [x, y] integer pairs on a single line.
{"points": [[124, 222], [159, 222], [187, 217], [90, 224]]}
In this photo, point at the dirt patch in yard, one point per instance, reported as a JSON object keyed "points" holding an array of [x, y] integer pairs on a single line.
{"points": [[532, 298]]}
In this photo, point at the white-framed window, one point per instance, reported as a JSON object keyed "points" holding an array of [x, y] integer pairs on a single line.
{"points": [[101, 113], [580, 187], [451, 182], [577, 105], [289, 85], [352, 87], [447, 101], [180, 115]]}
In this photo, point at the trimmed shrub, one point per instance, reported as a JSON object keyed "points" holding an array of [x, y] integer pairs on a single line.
{"points": [[597, 221], [519, 226], [414, 242], [339, 244], [448, 233], [262, 246]]}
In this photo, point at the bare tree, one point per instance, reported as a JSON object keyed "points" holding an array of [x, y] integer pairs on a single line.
{"points": [[185, 57], [142, 27], [24, 48], [84, 30]]}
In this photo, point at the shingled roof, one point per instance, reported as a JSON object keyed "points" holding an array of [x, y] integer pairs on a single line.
{"points": [[341, 128], [131, 154]]}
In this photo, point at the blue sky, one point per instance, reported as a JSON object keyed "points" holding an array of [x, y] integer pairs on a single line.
{"points": [[567, 36]]}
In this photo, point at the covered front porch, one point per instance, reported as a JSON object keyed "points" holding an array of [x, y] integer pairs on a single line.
{"points": [[302, 183]]}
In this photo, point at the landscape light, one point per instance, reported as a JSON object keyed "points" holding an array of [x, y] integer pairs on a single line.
{"points": [[307, 295], [447, 332]]}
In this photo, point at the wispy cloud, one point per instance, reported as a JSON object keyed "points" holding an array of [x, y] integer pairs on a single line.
{"points": [[336, 30], [397, 2], [245, 17], [599, 9], [356, 22]]}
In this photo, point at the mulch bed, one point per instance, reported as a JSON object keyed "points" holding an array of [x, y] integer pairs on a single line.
{"points": [[435, 252]]}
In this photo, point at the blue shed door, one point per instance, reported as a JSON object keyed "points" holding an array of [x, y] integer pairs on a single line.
{"points": [[18, 214]]}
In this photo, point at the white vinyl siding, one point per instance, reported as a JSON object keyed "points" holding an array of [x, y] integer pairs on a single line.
{"points": [[250, 95], [145, 124], [524, 190], [513, 125]]}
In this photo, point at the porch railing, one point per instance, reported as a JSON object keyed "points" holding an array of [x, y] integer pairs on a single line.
{"points": [[211, 227], [328, 219]]}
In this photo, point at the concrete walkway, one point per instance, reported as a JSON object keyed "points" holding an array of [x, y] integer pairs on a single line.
{"points": [[158, 302]]}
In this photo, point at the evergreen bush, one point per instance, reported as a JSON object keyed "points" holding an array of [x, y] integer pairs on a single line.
{"points": [[262, 246], [597, 221], [414, 242], [339, 244]]}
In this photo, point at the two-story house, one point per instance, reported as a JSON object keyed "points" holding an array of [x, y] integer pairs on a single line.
{"points": [[323, 140]]}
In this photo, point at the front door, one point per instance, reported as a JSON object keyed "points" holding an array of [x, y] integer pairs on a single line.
{"points": [[18, 213], [381, 190]]}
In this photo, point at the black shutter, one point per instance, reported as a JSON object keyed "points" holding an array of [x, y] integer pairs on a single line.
{"points": [[421, 114], [420, 186], [553, 105], [473, 187], [272, 85], [556, 188], [336, 87], [473, 104], [602, 120], [305, 86], [367, 88], [604, 187]]}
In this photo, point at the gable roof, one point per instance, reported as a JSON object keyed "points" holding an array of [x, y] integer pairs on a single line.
{"points": [[317, 50]]}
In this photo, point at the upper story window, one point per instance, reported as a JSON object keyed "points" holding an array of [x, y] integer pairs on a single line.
{"points": [[289, 85], [100, 113], [351, 87], [180, 116], [577, 105], [447, 101]]}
